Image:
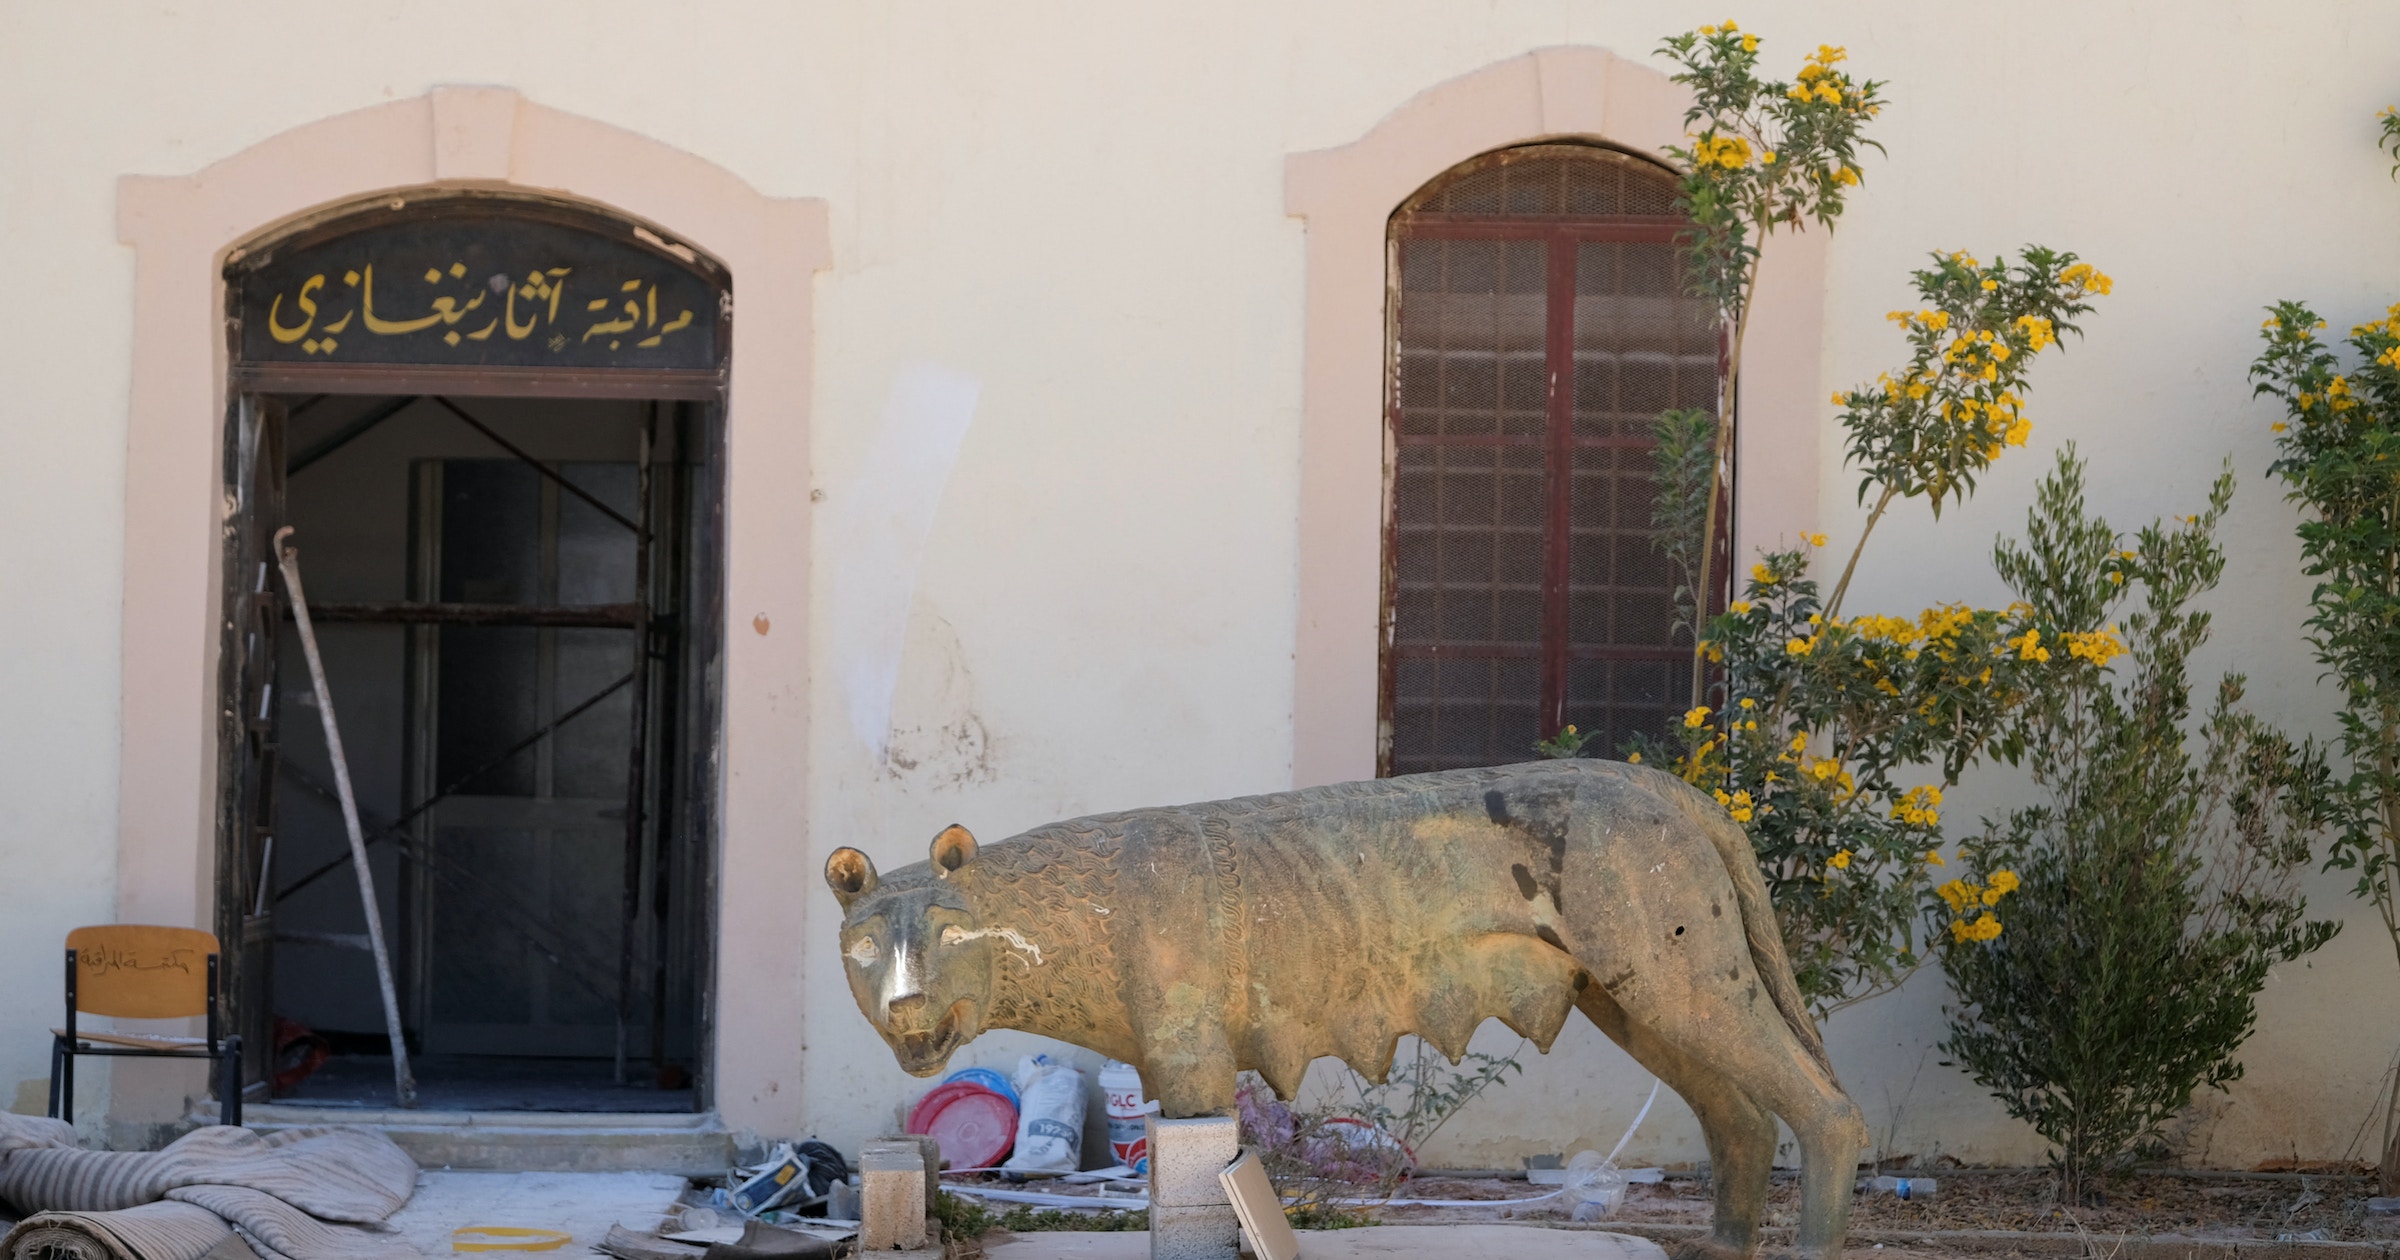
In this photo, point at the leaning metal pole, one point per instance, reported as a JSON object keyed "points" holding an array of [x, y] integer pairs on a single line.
{"points": [[638, 757], [404, 1084]]}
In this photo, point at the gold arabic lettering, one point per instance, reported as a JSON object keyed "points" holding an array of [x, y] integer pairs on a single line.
{"points": [[308, 307], [542, 291]]}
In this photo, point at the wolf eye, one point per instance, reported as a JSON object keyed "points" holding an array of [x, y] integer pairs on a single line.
{"points": [[863, 952]]}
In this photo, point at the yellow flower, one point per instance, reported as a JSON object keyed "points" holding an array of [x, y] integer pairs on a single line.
{"points": [[1800, 647], [1933, 857], [1750, 44], [1749, 703], [1990, 285], [1839, 861], [1570, 728], [1767, 158], [1848, 174], [1738, 607], [1633, 759], [1982, 929], [2004, 881], [1814, 540], [1694, 718]]}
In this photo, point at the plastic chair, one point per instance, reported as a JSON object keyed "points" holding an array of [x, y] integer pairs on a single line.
{"points": [[132, 971]]}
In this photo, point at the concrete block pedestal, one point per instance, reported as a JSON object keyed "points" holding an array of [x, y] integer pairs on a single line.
{"points": [[892, 1204], [1190, 1217]]}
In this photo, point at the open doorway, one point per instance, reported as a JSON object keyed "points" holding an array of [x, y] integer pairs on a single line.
{"points": [[478, 576], [493, 426]]}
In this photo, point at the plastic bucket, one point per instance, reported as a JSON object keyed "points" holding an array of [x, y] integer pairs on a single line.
{"points": [[1128, 1116]]}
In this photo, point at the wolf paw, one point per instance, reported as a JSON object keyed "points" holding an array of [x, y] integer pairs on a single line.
{"points": [[1708, 1249]]}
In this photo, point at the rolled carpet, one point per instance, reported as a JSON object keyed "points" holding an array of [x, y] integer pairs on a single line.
{"points": [[302, 1194]]}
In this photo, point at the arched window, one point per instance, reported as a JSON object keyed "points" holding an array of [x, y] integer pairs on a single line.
{"points": [[1540, 324]]}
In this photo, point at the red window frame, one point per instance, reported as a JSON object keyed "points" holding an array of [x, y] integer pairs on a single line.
{"points": [[1561, 237]]}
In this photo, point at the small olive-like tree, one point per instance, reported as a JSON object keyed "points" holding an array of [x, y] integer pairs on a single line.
{"points": [[2158, 882]]}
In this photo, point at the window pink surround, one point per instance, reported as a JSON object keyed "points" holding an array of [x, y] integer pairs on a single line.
{"points": [[1347, 195], [183, 228]]}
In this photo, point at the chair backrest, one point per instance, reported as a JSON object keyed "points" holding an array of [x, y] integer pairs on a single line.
{"points": [[134, 971]]}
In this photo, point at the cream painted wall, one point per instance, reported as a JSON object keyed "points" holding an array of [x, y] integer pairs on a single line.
{"points": [[1072, 214]]}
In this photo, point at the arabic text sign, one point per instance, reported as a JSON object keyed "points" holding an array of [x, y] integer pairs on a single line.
{"points": [[477, 290]]}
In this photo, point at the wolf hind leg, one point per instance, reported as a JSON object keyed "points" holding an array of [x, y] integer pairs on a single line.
{"points": [[1740, 1133]]}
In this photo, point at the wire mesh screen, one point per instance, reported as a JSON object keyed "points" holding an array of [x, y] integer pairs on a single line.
{"points": [[1535, 346], [1552, 180]]}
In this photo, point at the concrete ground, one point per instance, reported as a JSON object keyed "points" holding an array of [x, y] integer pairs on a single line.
{"points": [[1449, 1242], [580, 1204]]}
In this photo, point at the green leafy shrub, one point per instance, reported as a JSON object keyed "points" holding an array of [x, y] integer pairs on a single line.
{"points": [[2158, 882]]}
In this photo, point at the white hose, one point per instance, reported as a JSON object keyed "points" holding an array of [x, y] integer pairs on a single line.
{"points": [[1638, 1117]]}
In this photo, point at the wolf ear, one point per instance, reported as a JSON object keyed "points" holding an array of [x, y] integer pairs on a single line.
{"points": [[952, 849], [851, 874]]}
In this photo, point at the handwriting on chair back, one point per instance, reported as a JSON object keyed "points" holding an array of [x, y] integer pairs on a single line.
{"points": [[134, 971]]}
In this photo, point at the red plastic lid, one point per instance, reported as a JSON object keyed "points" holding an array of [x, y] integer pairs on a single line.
{"points": [[934, 1100], [974, 1126]]}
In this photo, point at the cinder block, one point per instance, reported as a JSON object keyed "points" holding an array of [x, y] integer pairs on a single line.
{"points": [[926, 1146], [892, 1205], [1212, 1232], [1187, 1155]]}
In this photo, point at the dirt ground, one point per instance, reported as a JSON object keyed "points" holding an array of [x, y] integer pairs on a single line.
{"points": [[2224, 1207]]}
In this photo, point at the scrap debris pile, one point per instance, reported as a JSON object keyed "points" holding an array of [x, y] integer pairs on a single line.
{"points": [[985, 1131]]}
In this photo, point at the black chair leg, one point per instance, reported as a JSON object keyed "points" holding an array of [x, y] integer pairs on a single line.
{"points": [[229, 1084], [57, 1057], [66, 1083]]}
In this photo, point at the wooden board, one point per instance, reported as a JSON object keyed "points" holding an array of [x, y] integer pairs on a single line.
{"points": [[134, 971], [1261, 1209]]}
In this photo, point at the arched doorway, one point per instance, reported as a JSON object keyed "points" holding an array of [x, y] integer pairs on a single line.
{"points": [[1541, 322], [495, 424]]}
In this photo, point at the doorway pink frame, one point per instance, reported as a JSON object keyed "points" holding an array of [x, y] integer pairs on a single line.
{"points": [[183, 229], [1347, 195]]}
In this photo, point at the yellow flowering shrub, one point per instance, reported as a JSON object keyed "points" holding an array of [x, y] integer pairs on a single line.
{"points": [[1762, 155], [1828, 728], [1833, 746], [1930, 429]]}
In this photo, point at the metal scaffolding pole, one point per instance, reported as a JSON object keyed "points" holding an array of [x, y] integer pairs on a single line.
{"points": [[638, 758]]}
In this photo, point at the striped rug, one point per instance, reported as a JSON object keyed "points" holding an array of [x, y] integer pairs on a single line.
{"points": [[301, 1194]]}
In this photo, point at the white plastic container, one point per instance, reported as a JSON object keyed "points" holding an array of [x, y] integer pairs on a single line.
{"points": [[1594, 1188], [1128, 1112]]}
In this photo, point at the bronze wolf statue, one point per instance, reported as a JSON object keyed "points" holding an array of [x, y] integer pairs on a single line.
{"points": [[1262, 933]]}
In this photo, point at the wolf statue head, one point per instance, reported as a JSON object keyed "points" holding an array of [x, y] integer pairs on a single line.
{"points": [[919, 961]]}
